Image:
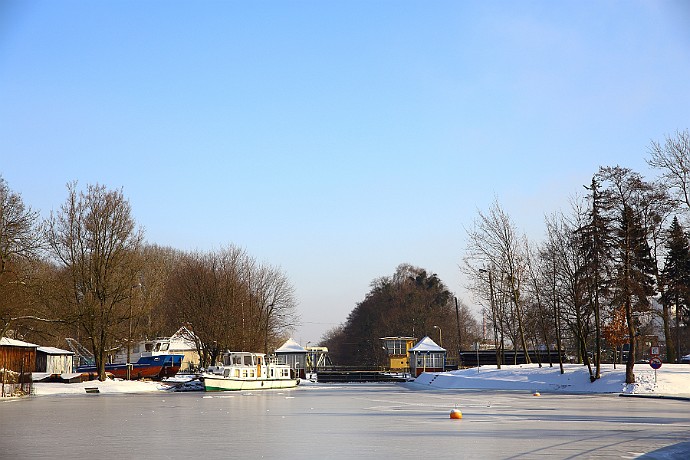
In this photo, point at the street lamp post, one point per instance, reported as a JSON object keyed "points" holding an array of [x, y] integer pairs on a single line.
{"points": [[440, 338]]}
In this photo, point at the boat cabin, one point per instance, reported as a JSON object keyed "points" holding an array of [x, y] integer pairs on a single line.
{"points": [[243, 359], [247, 365], [181, 342]]}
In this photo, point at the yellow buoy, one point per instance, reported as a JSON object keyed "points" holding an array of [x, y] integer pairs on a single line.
{"points": [[455, 413], [536, 393]]}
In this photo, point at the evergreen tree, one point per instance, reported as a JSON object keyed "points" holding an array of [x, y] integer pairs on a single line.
{"points": [[676, 278], [629, 198], [596, 248], [634, 283]]}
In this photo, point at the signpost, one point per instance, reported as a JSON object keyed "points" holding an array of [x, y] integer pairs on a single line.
{"points": [[655, 362]]}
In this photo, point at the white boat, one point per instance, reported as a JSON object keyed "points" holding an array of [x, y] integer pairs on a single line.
{"points": [[248, 371]]}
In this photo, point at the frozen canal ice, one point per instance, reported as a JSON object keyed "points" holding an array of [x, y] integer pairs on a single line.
{"points": [[343, 421]]}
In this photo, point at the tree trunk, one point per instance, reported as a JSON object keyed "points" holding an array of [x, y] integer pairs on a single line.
{"points": [[630, 364], [557, 319], [670, 341], [521, 329]]}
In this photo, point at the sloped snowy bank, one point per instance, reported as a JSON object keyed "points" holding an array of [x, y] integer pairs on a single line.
{"points": [[671, 379]]}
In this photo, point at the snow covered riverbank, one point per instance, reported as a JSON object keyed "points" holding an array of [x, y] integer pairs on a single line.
{"points": [[671, 379]]}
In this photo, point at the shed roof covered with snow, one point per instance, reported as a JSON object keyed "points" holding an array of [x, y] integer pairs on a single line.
{"points": [[7, 342], [54, 351]]}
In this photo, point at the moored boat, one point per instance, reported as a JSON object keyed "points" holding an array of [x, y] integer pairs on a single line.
{"points": [[147, 367], [248, 371]]}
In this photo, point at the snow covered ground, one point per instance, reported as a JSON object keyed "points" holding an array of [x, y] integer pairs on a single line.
{"points": [[109, 386], [671, 380]]}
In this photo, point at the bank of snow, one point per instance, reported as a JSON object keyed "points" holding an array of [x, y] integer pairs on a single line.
{"points": [[108, 387], [671, 379]]}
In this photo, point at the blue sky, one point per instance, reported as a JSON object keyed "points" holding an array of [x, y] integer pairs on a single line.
{"points": [[335, 140]]}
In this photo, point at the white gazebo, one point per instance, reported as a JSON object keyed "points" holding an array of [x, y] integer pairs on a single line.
{"points": [[294, 355], [427, 356]]}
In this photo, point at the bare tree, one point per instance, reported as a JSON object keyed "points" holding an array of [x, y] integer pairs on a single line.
{"points": [[550, 256], [206, 293], [673, 160], [538, 280], [568, 283], [275, 305], [494, 242], [152, 319], [94, 237], [230, 302], [20, 244]]}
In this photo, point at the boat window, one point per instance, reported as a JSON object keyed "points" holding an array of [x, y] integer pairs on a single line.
{"points": [[165, 346], [244, 373], [237, 360], [252, 373], [248, 360], [237, 373], [226, 373]]}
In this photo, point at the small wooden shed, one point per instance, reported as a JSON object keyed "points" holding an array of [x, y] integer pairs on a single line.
{"points": [[17, 362], [294, 355], [427, 356], [53, 360]]}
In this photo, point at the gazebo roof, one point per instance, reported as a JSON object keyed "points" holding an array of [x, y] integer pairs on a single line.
{"points": [[290, 346], [426, 345]]}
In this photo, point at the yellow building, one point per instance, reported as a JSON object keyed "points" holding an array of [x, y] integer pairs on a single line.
{"points": [[397, 349]]}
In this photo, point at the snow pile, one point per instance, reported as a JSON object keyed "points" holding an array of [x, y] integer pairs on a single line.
{"points": [[671, 379], [107, 387]]}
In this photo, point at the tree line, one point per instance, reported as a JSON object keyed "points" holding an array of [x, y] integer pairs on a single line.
{"points": [[412, 303], [87, 273], [610, 272]]}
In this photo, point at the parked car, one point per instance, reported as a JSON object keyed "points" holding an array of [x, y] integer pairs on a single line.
{"points": [[685, 359]]}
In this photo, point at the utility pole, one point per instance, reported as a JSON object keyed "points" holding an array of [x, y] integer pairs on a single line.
{"points": [[493, 316], [457, 317]]}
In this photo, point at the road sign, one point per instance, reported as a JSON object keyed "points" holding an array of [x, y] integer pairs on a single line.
{"points": [[655, 362], [654, 351]]}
